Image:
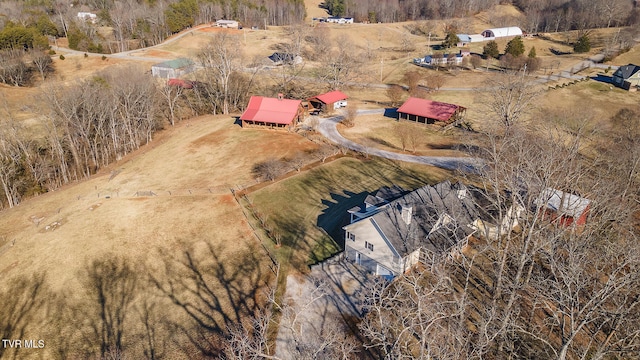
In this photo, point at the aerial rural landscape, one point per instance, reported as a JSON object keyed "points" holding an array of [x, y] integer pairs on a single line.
{"points": [[307, 179]]}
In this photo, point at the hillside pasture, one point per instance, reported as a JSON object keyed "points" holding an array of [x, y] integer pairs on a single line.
{"points": [[171, 198]]}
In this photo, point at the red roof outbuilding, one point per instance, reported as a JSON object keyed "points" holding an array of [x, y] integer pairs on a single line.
{"points": [[331, 97], [272, 110], [185, 84], [429, 109]]}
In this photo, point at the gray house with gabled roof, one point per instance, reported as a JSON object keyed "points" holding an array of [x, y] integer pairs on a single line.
{"points": [[388, 237], [627, 77]]}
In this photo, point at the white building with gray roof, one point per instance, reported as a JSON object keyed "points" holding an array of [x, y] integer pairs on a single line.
{"points": [[389, 236]]}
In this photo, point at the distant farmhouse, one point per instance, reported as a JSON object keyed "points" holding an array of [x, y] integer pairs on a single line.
{"points": [[88, 17], [627, 77], [272, 113], [388, 236], [489, 34], [281, 58], [430, 112], [328, 101], [443, 60], [173, 68], [230, 24], [335, 20], [564, 208]]}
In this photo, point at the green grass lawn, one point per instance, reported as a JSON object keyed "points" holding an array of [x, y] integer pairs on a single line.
{"points": [[308, 210]]}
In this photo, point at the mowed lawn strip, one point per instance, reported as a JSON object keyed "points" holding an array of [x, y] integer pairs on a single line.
{"points": [[306, 207]]}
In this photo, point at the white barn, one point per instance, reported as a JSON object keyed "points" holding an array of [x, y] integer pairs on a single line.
{"points": [[230, 24], [496, 33], [87, 16]]}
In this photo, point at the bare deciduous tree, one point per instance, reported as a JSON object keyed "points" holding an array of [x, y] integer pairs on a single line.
{"points": [[341, 65], [395, 93], [221, 58], [269, 169], [42, 62], [511, 97], [350, 114], [171, 94]]}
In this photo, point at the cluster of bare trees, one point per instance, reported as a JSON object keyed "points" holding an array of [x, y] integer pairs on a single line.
{"points": [[142, 23], [87, 126], [392, 11], [225, 85], [17, 66], [99, 120], [562, 15], [272, 168]]}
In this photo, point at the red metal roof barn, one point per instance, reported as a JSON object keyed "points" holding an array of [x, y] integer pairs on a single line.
{"points": [[272, 112], [329, 101], [429, 112]]}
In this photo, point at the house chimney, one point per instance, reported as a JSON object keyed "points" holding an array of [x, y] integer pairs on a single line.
{"points": [[406, 214], [280, 96]]}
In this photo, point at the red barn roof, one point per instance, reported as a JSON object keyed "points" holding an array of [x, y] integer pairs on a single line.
{"points": [[428, 109], [331, 97], [185, 84], [271, 110]]}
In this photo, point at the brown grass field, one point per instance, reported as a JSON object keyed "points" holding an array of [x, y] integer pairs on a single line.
{"points": [[175, 193]]}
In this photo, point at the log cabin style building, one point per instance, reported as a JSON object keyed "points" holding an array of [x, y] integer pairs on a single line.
{"points": [[430, 112], [272, 113]]}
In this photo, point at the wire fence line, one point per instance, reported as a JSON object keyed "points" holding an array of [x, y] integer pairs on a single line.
{"points": [[156, 192]]}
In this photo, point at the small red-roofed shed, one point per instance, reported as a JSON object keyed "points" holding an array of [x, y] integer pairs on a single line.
{"points": [[329, 101], [430, 112], [185, 84], [272, 112]]}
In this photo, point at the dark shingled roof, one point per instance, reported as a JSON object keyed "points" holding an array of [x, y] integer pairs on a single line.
{"points": [[440, 215], [626, 71]]}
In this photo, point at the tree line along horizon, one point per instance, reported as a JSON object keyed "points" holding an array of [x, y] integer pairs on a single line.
{"points": [[146, 23]]}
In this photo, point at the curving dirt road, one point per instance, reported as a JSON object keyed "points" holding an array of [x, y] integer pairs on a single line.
{"points": [[328, 128]]}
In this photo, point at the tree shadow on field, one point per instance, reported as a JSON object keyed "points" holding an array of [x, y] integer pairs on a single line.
{"points": [[383, 142], [114, 316], [22, 307], [214, 288]]}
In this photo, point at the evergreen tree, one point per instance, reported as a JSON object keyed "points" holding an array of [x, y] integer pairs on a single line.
{"points": [[451, 40], [515, 47], [583, 44], [490, 50], [181, 15], [532, 53]]}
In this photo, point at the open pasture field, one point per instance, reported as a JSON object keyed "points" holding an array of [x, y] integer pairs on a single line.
{"points": [[170, 198]]}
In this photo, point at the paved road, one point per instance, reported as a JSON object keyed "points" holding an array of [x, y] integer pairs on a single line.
{"points": [[328, 128], [129, 54]]}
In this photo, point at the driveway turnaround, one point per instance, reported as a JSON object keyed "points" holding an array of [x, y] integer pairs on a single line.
{"points": [[328, 128]]}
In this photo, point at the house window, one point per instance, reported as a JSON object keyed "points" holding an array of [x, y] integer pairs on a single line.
{"points": [[368, 245], [351, 236]]}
